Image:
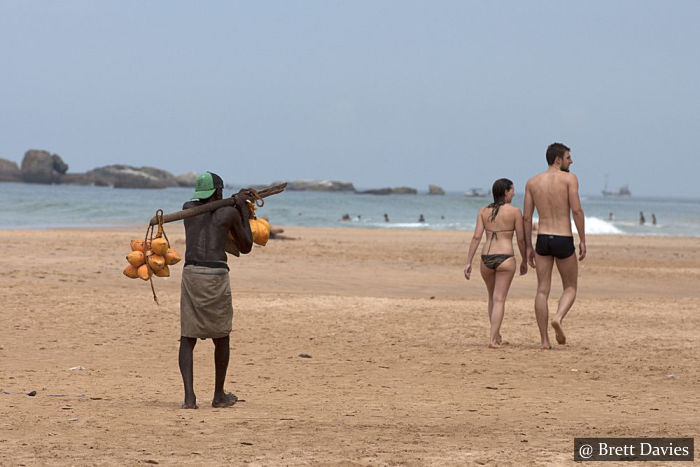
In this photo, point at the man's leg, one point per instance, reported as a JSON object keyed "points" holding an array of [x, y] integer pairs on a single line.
{"points": [[568, 270], [185, 359], [544, 284], [221, 357]]}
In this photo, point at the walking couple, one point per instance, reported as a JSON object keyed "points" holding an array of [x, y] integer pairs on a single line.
{"points": [[554, 193]]}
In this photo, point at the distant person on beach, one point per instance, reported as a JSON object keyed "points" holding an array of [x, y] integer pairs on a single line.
{"points": [[611, 217], [554, 193], [499, 219], [653, 219], [642, 220], [386, 217], [206, 310], [345, 218], [421, 218]]}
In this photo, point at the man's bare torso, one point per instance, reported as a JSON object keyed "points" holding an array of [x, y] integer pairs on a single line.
{"points": [[550, 194]]}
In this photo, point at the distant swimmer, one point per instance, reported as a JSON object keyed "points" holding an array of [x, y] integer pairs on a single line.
{"points": [[500, 220], [345, 218], [642, 220], [653, 219], [386, 217], [554, 193], [421, 218], [611, 216]]}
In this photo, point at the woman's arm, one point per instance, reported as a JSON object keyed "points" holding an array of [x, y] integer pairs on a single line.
{"points": [[520, 235], [476, 239]]}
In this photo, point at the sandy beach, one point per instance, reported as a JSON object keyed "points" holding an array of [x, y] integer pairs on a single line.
{"points": [[399, 373]]}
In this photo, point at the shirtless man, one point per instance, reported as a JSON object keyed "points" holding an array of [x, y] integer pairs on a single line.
{"points": [[555, 195], [206, 309]]}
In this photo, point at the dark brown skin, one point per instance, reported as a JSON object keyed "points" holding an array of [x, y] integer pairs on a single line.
{"points": [[205, 237]]}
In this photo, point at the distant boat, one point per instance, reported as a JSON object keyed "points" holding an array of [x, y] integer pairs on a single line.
{"points": [[476, 193], [623, 192]]}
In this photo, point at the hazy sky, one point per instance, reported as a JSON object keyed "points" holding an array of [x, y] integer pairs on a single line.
{"points": [[379, 93]]}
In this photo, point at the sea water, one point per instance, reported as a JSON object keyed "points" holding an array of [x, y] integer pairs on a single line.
{"points": [[30, 206]]}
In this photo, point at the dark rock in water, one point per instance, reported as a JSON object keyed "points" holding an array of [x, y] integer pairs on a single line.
{"points": [[42, 167], [125, 176], [401, 190], [81, 178], [435, 190], [404, 190], [9, 171], [319, 185], [187, 179]]}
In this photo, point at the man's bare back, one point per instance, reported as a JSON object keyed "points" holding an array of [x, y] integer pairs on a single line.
{"points": [[554, 193], [550, 194]]}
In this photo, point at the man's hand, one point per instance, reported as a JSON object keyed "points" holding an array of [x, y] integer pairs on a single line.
{"points": [[531, 257], [468, 271], [582, 251], [523, 268]]}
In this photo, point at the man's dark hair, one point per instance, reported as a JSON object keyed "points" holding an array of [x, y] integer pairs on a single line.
{"points": [[556, 150]]}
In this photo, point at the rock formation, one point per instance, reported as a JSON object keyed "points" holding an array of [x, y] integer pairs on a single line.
{"points": [[187, 179], [320, 185], [401, 190], [435, 190], [126, 176], [9, 171], [42, 167]]}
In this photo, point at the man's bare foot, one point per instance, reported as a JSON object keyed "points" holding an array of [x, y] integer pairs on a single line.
{"points": [[494, 345], [499, 339], [225, 400], [190, 405], [547, 346], [559, 331]]}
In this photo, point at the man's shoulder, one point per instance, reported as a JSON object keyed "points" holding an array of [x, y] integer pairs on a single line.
{"points": [[190, 204], [226, 212]]}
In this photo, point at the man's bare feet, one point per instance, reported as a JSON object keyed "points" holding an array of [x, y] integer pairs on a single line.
{"points": [[561, 337], [494, 345], [224, 400]]}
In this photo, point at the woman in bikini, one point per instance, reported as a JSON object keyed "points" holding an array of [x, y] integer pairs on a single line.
{"points": [[499, 219]]}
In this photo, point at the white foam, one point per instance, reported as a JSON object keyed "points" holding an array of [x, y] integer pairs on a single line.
{"points": [[595, 225]]}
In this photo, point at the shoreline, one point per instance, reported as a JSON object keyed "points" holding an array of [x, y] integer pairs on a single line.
{"points": [[350, 227]]}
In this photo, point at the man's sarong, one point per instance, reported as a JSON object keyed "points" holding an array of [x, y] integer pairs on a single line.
{"points": [[205, 302]]}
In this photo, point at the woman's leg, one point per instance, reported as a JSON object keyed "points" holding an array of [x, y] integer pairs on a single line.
{"points": [[504, 276], [489, 276]]}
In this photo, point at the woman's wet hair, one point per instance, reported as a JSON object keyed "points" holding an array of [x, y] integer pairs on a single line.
{"points": [[499, 189]]}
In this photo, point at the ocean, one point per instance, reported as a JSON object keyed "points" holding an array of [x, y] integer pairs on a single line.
{"points": [[29, 206]]}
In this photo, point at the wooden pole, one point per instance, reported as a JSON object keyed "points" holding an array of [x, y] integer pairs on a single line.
{"points": [[213, 205]]}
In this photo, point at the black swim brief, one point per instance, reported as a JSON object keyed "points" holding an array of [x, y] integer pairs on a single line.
{"points": [[555, 245]]}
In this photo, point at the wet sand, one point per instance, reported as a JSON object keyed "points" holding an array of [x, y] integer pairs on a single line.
{"points": [[399, 371]]}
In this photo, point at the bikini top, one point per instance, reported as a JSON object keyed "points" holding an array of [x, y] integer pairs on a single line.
{"points": [[495, 235]]}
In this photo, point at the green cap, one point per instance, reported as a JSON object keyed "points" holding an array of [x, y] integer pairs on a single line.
{"points": [[206, 185]]}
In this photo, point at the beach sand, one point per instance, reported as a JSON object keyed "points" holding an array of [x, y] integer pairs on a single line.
{"points": [[400, 370]]}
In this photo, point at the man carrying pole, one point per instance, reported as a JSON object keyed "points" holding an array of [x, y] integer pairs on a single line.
{"points": [[206, 309]]}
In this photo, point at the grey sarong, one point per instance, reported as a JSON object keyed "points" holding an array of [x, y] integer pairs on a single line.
{"points": [[205, 302]]}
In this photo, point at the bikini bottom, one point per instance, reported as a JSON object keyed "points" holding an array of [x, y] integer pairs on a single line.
{"points": [[493, 261]]}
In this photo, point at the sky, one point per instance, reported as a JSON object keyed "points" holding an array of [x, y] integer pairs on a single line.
{"points": [[378, 93]]}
